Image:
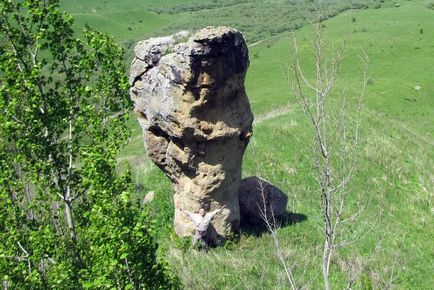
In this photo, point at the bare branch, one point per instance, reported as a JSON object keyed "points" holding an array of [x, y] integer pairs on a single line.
{"points": [[271, 226], [26, 256]]}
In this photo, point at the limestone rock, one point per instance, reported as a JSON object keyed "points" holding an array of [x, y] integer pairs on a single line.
{"points": [[258, 196], [191, 103]]}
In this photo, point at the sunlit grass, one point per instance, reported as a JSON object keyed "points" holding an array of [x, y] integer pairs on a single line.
{"points": [[396, 166]]}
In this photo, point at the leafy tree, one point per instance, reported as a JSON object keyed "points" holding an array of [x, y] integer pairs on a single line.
{"points": [[67, 219]]}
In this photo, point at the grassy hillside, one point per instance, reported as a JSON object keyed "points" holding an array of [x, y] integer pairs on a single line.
{"points": [[132, 20], [396, 170], [127, 21]]}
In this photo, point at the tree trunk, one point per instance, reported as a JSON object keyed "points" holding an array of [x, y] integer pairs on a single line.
{"points": [[325, 264], [70, 221]]}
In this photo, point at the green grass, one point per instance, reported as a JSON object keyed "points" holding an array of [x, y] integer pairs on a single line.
{"points": [[127, 21], [396, 167], [258, 19], [128, 24], [132, 20]]}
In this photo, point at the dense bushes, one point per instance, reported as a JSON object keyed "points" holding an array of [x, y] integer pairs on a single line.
{"points": [[67, 219], [199, 5], [256, 19]]}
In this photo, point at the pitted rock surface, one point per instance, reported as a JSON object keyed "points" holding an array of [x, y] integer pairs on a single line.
{"points": [[191, 103]]}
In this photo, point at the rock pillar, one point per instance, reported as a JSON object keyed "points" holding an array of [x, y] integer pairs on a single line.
{"points": [[191, 103]]}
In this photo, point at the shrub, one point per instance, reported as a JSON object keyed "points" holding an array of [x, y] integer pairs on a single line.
{"points": [[67, 219]]}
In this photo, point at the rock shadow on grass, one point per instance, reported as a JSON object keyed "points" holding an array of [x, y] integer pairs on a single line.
{"points": [[258, 229], [261, 201]]}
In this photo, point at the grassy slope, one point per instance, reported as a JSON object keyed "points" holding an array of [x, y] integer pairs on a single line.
{"points": [[396, 171], [132, 20], [128, 21]]}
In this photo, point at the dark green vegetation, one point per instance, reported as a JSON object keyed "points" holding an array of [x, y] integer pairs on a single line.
{"points": [[134, 20], [67, 219], [257, 19]]}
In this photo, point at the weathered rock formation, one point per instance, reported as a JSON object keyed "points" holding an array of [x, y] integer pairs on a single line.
{"points": [[259, 199], [191, 104]]}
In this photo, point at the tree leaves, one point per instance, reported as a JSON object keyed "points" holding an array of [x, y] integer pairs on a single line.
{"points": [[67, 218]]}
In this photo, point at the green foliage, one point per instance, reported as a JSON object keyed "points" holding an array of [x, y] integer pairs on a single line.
{"points": [[67, 219], [181, 243], [198, 5], [256, 19]]}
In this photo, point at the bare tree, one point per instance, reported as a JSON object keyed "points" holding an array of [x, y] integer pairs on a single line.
{"points": [[272, 227], [335, 119]]}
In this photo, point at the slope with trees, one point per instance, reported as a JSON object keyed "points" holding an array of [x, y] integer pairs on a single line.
{"points": [[67, 219]]}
